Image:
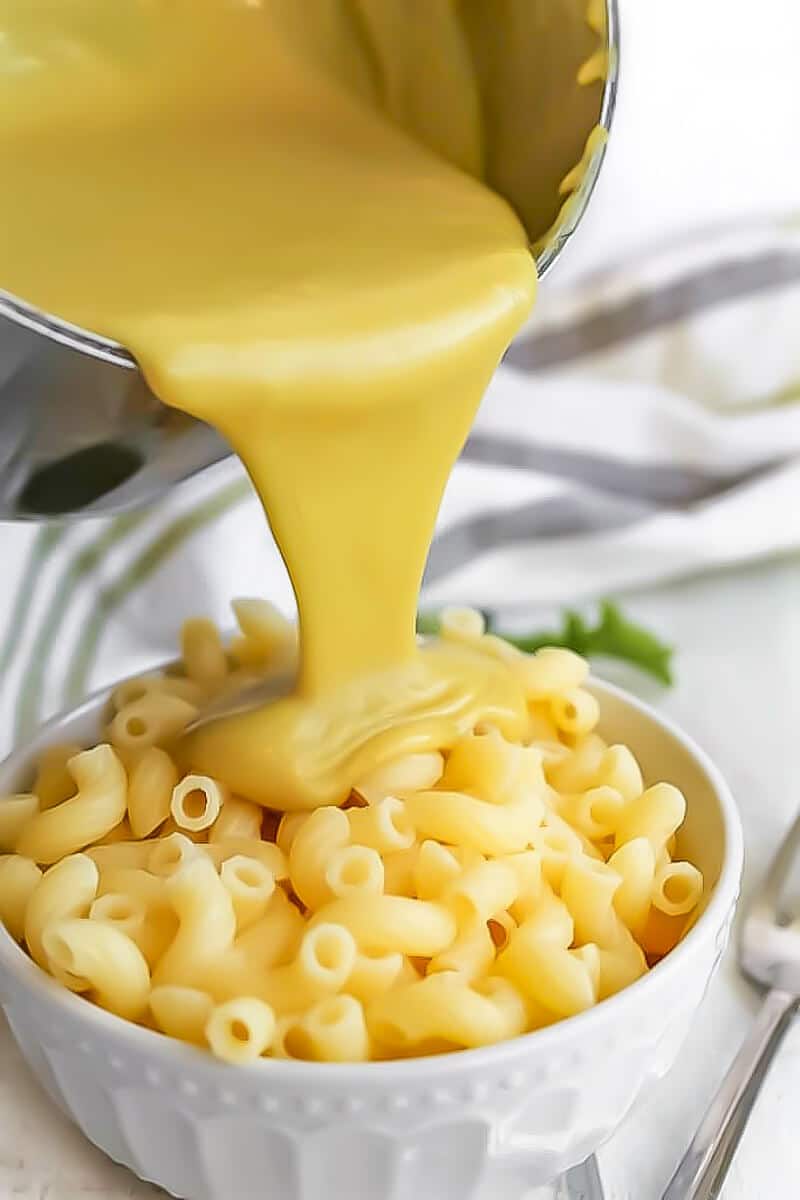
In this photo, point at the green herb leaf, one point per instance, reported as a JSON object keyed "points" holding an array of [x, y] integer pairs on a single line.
{"points": [[618, 637], [427, 623], [614, 636]]}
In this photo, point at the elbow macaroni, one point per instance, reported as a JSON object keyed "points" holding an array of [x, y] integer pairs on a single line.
{"points": [[66, 890], [153, 719], [335, 1030], [19, 879], [445, 1010], [250, 885], [239, 1031], [461, 896], [203, 653], [267, 640], [150, 789], [105, 959], [99, 805], [412, 773], [15, 813], [238, 819], [53, 782], [181, 1012], [196, 803]]}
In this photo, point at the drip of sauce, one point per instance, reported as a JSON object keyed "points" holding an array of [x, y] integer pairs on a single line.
{"points": [[256, 200]]}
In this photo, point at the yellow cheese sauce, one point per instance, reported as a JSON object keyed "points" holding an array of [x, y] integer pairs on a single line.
{"points": [[280, 208]]}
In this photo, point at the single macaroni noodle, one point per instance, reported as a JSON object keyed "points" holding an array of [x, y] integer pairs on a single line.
{"points": [[153, 719], [150, 788], [239, 1031], [181, 1012], [99, 804], [251, 886], [334, 1030], [197, 802], [203, 653], [15, 813], [53, 781], [238, 819], [19, 879], [107, 959]]}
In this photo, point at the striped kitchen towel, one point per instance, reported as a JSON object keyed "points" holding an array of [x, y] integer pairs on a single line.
{"points": [[646, 425]]}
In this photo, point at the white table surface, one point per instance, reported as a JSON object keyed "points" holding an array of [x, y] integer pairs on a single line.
{"points": [[738, 693]]}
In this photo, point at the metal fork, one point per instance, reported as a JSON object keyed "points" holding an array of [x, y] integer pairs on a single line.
{"points": [[769, 954]]}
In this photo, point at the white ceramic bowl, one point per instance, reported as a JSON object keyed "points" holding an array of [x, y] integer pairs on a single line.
{"points": [[481, 1123]]}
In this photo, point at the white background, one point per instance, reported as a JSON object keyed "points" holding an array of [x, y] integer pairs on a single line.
{"points": [[707, 129]]}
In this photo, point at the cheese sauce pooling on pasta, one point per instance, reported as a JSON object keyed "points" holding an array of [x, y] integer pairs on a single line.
{"points": [[218, 187]]}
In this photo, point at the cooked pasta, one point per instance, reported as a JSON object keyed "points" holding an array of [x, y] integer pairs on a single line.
{"points": [[15, 813], [398, 872], [19, 878], [274, 939], [412, 773], [168, 854], [53, 781], [446, 1010], [435, 866], [460, 819], [677, 888], [635, 863], [355, 869], [324, 961], [462, 624], [147, 685], [373, 974], [109, 962], [150, 787], [129, 914], [203, 653], [459, 896], [575, 711], [480, 892], [656, 814], [152, 720], [238, 819], [288, 828], [197, 802], [99, 804], [239, 1031], [206, 924], [181, 1012], [325, 832], [267, 638], [335, 1030], [383, 825], [250, 885], [472, 954]]}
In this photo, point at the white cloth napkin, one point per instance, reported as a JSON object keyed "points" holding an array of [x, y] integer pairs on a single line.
{"points": [[669, 393]]}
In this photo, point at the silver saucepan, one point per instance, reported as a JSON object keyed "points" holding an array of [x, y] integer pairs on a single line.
{"points": [[81, 433]]}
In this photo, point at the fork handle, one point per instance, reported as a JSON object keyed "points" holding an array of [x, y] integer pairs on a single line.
{"points": [[704, 1166]]}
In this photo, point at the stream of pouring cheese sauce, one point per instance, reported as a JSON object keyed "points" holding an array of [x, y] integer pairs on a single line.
{"points": [[233, 192]]}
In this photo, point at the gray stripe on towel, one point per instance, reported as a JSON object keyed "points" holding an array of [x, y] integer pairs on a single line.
{"points": [[574, 515], [624, 493], [659, 484], [649, 310]]}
